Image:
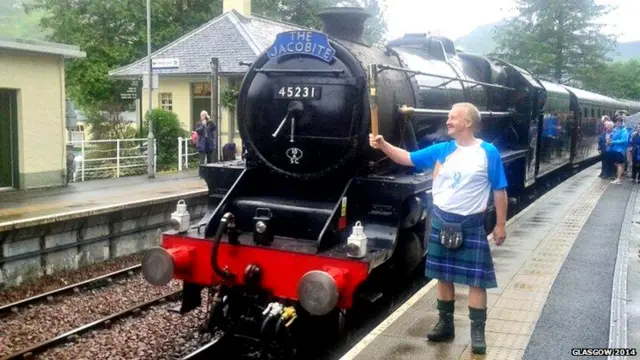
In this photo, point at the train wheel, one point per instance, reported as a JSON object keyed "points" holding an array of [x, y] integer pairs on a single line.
{"points": [[419, 245], [320, 333]]}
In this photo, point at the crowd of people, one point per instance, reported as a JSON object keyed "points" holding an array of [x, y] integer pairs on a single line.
{"points": [[619, 147]]}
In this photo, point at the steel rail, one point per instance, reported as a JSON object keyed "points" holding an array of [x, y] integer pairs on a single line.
{"points": [[203, 352], [40, 297], [72, 334]]}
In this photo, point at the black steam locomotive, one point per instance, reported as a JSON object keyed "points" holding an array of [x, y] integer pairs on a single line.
{"points": [[303, 224]]}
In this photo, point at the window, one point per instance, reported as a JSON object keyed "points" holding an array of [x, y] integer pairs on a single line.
{"points": [[166, 101], [201, 89]]}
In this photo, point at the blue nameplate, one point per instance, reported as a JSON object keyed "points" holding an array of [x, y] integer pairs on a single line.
{"points": [[304, 43]]}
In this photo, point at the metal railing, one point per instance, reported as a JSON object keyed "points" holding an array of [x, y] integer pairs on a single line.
{"points": [[103, 159], [187, 154]]}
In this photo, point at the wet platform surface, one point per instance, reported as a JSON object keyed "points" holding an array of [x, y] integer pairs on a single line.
{"points": [[556, 275], [31, 207]]}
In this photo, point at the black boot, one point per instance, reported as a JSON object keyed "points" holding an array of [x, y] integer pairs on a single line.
{"points": [[478, 318], [444, 329]]}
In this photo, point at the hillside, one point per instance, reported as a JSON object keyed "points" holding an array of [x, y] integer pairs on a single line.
{"points": [[481, 41], [15, 23]]}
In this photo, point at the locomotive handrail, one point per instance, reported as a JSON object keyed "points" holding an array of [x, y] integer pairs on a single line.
{"points": [[388, 67], [411, 110], [300, 71]]}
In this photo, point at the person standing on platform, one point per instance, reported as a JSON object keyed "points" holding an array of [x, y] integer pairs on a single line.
{"points": [[634, 144], [465, 171], [603, 148], [206, 138], [618, 145]]}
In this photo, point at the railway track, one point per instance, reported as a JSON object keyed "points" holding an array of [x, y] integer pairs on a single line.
{"points": [[74, 334], [48, 296]]}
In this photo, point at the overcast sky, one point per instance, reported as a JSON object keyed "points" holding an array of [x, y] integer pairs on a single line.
{"points": [[455, 18]]}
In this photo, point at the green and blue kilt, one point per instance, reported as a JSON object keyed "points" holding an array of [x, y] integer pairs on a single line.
{"points": [[471, 263]]}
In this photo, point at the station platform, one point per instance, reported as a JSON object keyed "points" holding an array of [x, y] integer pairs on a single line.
{"points": [[19, 209], [568, 277]]}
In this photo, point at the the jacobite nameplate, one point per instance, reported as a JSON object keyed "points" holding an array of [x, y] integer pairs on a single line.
{"points": [[303, 43]]}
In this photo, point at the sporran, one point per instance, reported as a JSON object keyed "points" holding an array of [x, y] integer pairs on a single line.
{"points": [[451, 235]]}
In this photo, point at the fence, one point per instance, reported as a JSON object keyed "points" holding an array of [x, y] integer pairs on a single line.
{"points": [[187, 154], [102, 159]]}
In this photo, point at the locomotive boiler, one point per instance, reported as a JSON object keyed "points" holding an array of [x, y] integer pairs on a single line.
{"points": [[313, 220]]}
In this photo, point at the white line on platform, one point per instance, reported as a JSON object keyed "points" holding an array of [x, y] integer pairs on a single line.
{"points": [[618, 324], [370, 337]]}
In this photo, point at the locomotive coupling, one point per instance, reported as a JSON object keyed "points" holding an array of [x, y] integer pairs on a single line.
{"points": [[180, 218]]}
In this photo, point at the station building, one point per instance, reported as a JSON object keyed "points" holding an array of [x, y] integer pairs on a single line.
{"points": [[184, 66], [32, 113]]}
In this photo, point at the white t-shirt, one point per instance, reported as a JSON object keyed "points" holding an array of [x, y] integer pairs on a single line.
{"points": [[463, 175]]}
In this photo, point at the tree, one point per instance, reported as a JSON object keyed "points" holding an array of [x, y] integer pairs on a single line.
{"points": [[620, 79], [304, 13], [107, 123], [555, 39], [113, 34]]}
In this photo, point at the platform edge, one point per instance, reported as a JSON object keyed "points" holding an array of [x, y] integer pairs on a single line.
{"points": [[41, 220], [618, 316]]}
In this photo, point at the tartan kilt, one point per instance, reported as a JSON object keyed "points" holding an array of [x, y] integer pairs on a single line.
{"points": [[471, 264]]}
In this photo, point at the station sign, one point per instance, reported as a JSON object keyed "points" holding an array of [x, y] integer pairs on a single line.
{"points": [[133, 92], [167, 63]]}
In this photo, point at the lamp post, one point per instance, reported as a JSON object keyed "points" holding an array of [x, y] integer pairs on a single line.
{"points": [[151, 169]]}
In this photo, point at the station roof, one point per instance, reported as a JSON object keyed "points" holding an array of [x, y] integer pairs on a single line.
{"points": [[231, 37], [42, 47]]}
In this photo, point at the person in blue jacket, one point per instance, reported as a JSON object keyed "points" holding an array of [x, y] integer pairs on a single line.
{"points": [[618, 145]]}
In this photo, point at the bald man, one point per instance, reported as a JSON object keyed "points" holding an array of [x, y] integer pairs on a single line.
{"points": [[465, 171]]}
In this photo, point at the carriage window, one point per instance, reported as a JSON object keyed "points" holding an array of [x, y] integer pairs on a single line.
{"points": [[593, 113], [599, 113], [585, 113]]}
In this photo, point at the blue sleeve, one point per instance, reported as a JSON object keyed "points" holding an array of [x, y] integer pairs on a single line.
{"points": [[624, 138], [495, 168], [426, 158]]}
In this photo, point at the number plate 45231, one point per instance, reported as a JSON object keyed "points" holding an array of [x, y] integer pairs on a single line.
{"points": [[298, 92]]}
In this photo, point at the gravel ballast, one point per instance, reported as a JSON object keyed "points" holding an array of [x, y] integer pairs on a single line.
{"points": [[66, 277], [155, 333], [47, 320]]}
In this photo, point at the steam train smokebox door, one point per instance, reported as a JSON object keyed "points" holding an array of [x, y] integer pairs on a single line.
{"points": [[262, 234]]}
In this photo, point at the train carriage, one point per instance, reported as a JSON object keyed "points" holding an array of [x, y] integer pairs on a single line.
{"points": [[589, 108]]}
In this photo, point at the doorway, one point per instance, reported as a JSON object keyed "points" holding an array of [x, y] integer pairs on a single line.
{"points": [[8, 138], [200, 100]]}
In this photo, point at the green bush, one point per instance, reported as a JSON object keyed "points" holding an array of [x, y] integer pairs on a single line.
{"points": [[166, 130], [108, 124]]}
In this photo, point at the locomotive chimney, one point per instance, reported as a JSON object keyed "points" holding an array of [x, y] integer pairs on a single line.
{"points": [[344, 22]]}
